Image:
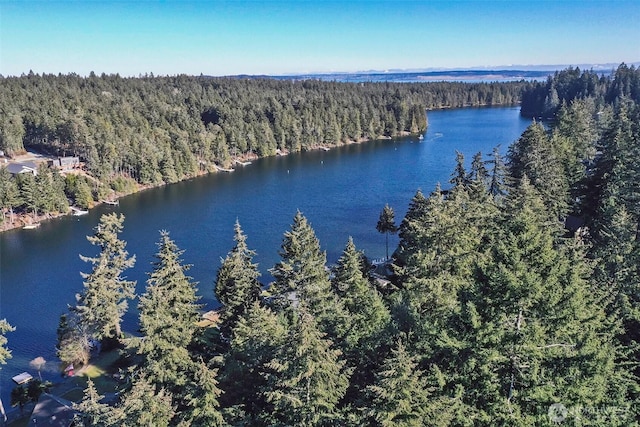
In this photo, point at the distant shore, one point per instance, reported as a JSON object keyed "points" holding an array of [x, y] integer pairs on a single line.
{"points": [[24, 219]]}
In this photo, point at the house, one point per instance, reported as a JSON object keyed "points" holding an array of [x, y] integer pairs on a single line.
{"points": [[52, 411], [22, 167], [65, 163], [210, 319]]}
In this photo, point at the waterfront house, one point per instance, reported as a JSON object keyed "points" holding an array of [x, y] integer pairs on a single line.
{"points": [[65, 163], [22, 167]]}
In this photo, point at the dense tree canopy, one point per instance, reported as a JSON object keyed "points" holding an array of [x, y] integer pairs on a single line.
{"points": [[131, 132], [498, 312]]}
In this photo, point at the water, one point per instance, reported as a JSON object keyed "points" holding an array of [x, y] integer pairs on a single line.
{"points": [[341, 192]]}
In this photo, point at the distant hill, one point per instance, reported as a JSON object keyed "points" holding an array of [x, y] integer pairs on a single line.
{"points": [[505, 73], [471, 76]]}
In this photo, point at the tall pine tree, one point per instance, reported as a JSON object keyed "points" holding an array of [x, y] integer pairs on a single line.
{"points": [[308, 377], [103, 302], [237, 286], [168, 313]]}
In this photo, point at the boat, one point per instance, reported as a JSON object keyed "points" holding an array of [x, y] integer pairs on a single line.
{"points": [[421, 137], [78, 211], [111, 202], [221, 169], [31, 226]]}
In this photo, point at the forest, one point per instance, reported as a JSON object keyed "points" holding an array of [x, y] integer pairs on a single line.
{"points": [[130, 133], [512, 299]]}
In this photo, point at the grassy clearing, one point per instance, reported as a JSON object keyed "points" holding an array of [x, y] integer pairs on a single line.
{"points": [[100, 370]]}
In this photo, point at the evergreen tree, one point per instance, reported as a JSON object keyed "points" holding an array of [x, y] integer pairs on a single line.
{"points": [[400, 396], [19, 397], [237, 286], [5, 353], [365, 321], [28, 192], [387, 224], [90, 411], [411, 223], [497, 185], [301, 276], [9, 194], [257, 336], [459, 177], [366, 314], [103, 302], [307, 378], [534, 155], [202, 399], [614, 226], [478, 172], [529, 333], [168, 313], [142, 405]]}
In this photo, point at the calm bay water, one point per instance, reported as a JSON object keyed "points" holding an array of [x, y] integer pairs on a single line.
{"points": [[341, 192]]}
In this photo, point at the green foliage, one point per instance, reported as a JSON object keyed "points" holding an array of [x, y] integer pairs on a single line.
{"points": [[77, 188], [73, 340], [104, 300], [535, 156], [142, 405], [168, 313], [9, 194], [258, 334], [12, 129], [301, 276], [19, 397], [90, 411], [5, 353], [162, 129], [121, 184], [35, 388], [237, 286], [366, 315], [307, 377], [527, 325], [497, 312], [400, 395], [387, 224], [202, 399]]}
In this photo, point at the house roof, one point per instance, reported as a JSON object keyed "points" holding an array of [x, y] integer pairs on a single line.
{"points": [[210, 319], [52, 411], [16, 168]]}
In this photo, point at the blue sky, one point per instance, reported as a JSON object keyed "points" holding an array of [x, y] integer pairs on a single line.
{"points": [[278, 37]]}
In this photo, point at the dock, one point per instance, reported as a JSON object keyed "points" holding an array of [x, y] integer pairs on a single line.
{"points": [[31, 226], [111, 202], [22, 378]]}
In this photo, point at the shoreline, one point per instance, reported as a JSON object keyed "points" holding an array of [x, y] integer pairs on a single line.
{"points": [[24, 219]]}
